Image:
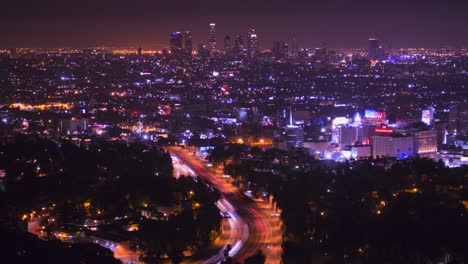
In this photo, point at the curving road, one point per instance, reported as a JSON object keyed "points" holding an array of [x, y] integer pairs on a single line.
{"points": [[251, 225]]}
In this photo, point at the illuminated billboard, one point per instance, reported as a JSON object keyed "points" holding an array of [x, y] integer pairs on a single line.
{"points": [[340, 121], [372, 114], [426, 117], [383, 129], [206, 149]]}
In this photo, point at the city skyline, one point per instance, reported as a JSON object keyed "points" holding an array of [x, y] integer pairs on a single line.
{"points": [[237, 132], [338, 23]]}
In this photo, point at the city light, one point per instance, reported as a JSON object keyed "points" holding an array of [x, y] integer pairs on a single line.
{"points": [[191, 140]]}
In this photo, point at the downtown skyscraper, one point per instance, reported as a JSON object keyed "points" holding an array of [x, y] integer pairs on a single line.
{"points": [[252, 42], [227, 44], [188, 42], [376, 51], [181, 42], [175, 41], [212, 37]]}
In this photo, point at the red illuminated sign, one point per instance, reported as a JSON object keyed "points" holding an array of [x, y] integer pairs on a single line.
{"points": [[379, 115], [383, 130]]}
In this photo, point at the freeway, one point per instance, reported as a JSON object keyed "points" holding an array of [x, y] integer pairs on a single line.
{"points": [[252, 224]]}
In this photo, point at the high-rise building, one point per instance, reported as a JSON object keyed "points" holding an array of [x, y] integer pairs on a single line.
{"points": [[175, 41], [188, 42], [321, 54], [227, 44], [373, 47], [458, 118], [212, 37], [349, 135], [425, 142], [294, 135], [280, 50], [392, 145], [252, 42], [376, 51], [203, 51], [239, 44], [181, 42], [294, 51]]}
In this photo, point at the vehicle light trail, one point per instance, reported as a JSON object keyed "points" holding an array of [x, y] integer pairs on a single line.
{"points": [[251, 224]]}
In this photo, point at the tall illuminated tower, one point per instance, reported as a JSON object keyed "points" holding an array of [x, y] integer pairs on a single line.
{"points": [[212, 37], [252, 42]]}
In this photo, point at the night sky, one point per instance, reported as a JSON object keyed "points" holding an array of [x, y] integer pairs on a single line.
{"points": [[340, 23]]}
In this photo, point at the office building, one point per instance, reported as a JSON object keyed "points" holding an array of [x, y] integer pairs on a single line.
{"points": [[212, 37], [188, 42], [176, 41], [425, 143], [280, 50], [73, 125], [227, 44], [181, 42], [376, 51], [294, 135], [239, 45], [203, 50], [458, 119], [252, 42], [321, 54], [350, 135], [294, 51], [392, 145]]}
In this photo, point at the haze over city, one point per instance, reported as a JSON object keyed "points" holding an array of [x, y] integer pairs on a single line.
{"points": [[339, 23]]}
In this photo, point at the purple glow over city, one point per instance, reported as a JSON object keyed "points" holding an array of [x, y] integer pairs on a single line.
{"points": [[248, 132]]}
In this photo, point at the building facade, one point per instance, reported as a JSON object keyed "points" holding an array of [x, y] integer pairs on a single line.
{"points": [[394, 145], [425, 142]]}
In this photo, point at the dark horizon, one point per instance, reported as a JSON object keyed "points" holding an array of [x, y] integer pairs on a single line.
{"points": [[340, 24]]}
